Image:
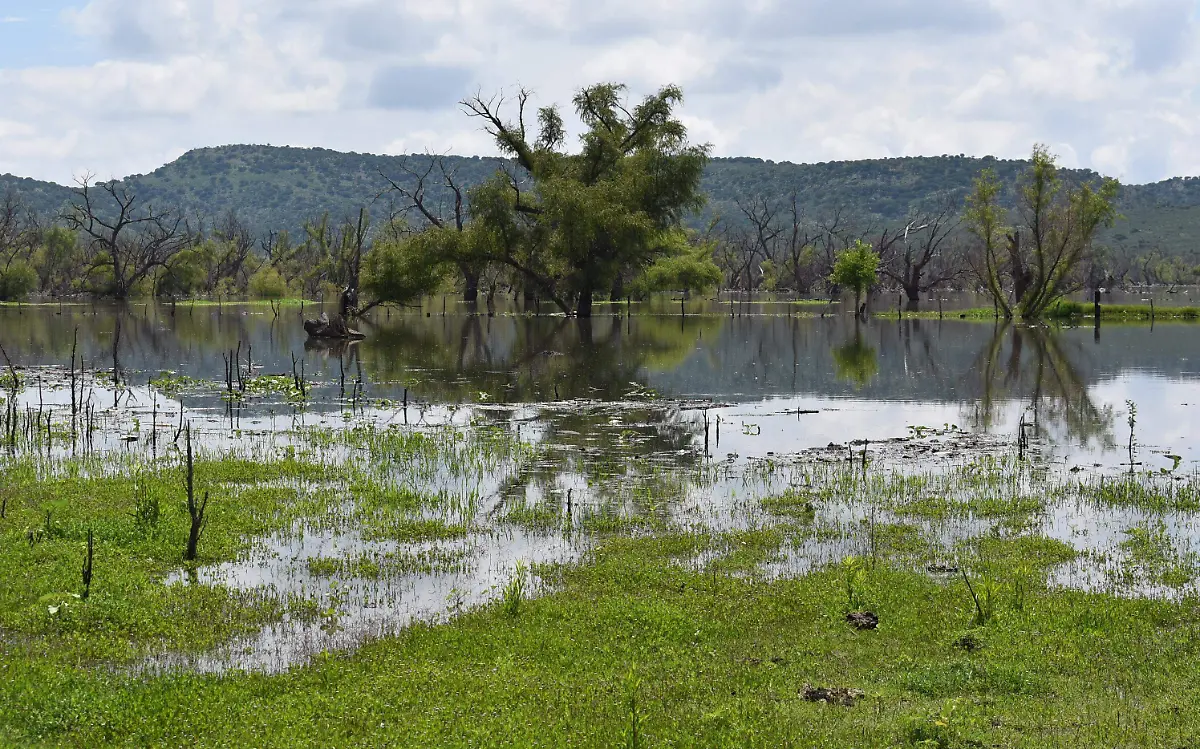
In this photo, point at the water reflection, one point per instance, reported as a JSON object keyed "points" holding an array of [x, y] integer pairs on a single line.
{"points": [[856, 361], [1037, 366], [987, 374]]}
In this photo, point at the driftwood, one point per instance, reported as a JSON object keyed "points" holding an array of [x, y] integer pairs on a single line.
{"points": [[324, 327]]}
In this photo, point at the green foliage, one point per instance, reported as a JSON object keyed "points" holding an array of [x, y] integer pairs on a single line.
{"points": [[56, 258], [401, 270], [267, 283], [592, 216], [856, 268], [682, 267], [184, 275], [1038, 261], [17, 281]]}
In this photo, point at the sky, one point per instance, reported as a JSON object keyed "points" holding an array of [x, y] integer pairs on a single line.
{"points": [[117, 87]]}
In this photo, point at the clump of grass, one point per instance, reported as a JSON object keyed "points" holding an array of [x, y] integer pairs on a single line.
{"points": [[854, 578], [984, 598], [146, 509], [513, 594]]}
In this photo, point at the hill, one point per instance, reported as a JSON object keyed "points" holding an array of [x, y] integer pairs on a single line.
{"points": [[281, 187]]}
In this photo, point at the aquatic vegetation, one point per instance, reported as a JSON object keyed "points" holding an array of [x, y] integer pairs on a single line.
{"points": [[587, 569]]}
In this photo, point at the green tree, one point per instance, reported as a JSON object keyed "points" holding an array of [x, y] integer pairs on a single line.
{"points": [[856, 268], [57, 260], [17, 281], [683, 267], [1033, 264], [185, 273], [574, 222], [402, 268], [266, 283]]}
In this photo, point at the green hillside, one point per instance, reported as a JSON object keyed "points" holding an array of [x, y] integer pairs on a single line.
{"points": [[281, 187]]}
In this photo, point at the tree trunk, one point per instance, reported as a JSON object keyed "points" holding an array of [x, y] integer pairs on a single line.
{"points": [[913, 291], [618, 289], [583, 308], [470, 285]]}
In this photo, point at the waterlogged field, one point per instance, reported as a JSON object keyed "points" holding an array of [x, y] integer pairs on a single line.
{"points": [[451, 559]]}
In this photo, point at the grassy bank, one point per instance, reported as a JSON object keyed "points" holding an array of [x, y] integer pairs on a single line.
{"points": [[1117, 312], [638, 651], [75, 302], [663, 635]]}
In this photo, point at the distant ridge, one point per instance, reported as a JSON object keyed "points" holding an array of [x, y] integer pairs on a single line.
{"points": [[279, 187]]}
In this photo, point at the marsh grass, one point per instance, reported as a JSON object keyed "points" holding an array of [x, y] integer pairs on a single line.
{"points": [[996, 655]]}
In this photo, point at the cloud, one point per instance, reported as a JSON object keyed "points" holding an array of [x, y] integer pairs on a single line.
{"points": [[1111, 81], [872, 17], [417, 87]]}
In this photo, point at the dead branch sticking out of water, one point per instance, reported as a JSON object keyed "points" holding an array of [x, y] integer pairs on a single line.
{"points": [[195, 509]]}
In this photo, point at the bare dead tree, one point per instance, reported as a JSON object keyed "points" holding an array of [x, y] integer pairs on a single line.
{"points": [[237, 242], [20, 230], [413, 189], [923, 256], [764, 233], [834, 235], [509, 135], [353, 244], [122, 236], [797, 252]]}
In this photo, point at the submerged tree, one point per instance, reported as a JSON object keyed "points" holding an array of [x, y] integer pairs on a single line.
{"points": [[401, 267], [921, 256], [414, 189], [126, 241], [1033, 264], [571, 224], [856, 269], [685, 268]]}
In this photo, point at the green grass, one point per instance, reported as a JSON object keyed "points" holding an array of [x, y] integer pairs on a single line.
{"points": [[1064, 310], [719, 659], [681, 632]]}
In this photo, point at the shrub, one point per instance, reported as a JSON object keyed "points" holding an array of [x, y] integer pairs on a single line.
{"points": [[266, 283], [17, 281]]}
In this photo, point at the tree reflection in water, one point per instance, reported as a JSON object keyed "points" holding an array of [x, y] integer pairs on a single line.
{"points": [[1037, 369], [855, 360]]}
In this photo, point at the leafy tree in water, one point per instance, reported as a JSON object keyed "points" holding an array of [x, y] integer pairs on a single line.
{"points": [[571, 223], [683, 267], [1033, 264], [401, 268], [266, 283], [856, 269]]}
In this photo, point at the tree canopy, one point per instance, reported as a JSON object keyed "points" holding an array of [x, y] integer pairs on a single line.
{"points": [[570, 224], [1031, 265], [856, 269]]}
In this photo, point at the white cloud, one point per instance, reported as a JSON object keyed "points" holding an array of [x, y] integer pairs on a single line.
{"points": [[1110, 84]]}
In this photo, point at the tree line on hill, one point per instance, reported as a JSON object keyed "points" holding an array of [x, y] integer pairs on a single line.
{"points": [[615, 218]]}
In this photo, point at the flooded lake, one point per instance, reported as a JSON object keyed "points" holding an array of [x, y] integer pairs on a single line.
{"points": [[540, 434], [777, 383]]}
